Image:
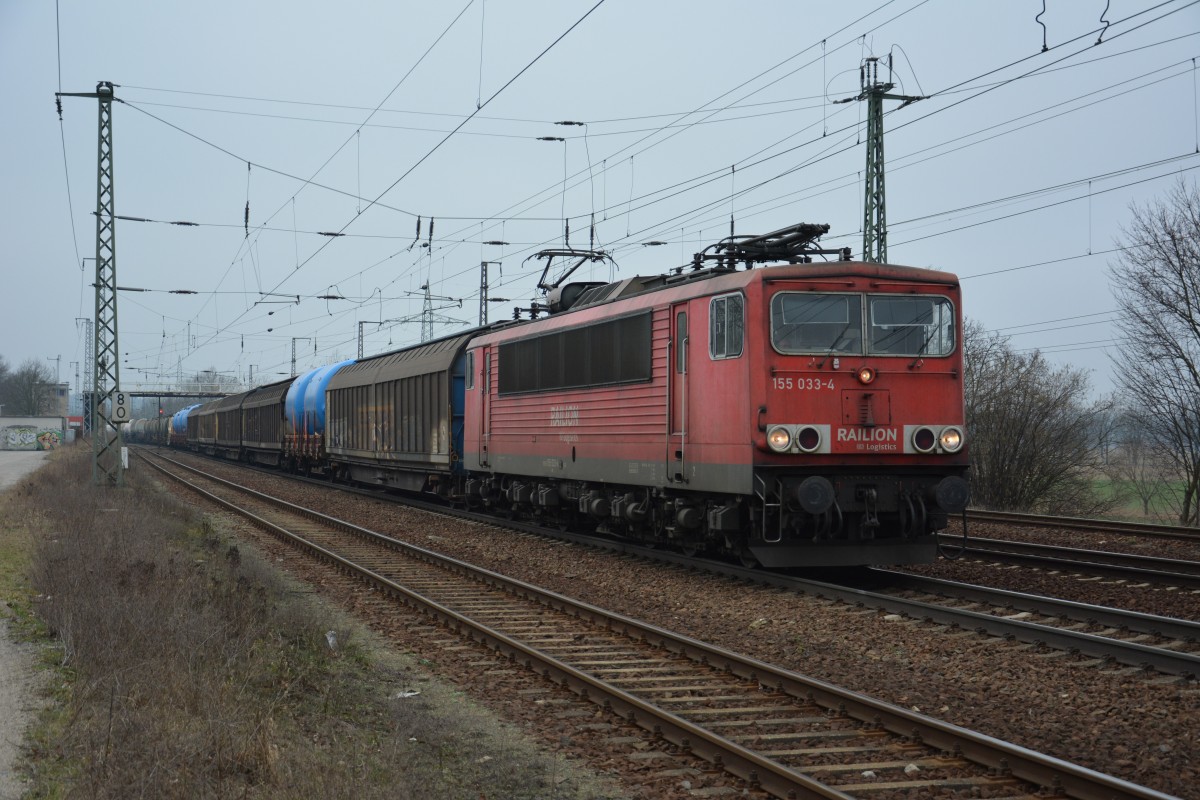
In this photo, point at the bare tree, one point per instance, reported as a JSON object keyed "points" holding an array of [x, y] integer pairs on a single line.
{"points": [[1033, 433], [4, 376], [1156, 282], [1137, 465], [26, 391], [209, 380]]}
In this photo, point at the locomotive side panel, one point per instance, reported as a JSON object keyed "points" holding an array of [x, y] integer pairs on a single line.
{"points": [[712, 383], [665, 415], [606, 425]]}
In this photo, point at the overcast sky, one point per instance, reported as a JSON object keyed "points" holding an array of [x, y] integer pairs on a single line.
{"points": [[1016, 172]]}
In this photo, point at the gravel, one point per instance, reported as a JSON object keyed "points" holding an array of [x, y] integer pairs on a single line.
{"points": [[1141, 727], [1167, 601]]}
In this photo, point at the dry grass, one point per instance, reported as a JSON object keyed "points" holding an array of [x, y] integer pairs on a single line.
{"points": [[185, 667]]}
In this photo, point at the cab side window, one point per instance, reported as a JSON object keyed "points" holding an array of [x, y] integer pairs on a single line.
{"points": [[726, 326]]}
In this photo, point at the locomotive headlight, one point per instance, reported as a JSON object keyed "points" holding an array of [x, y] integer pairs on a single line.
{"points": [[865, 375], [779, 439], [808, 439], [951, 439], [923, 440]]}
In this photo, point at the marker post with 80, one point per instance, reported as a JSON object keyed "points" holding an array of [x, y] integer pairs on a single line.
{"points": [[118, 407]]}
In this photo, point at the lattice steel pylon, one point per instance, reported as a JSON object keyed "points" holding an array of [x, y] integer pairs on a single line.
{"points": [[874, 208], [427, 315], [106, 436], [89, 361]]}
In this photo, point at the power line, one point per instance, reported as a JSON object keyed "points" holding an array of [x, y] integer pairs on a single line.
{"points": [[715, 174], [436, 147], [1059, 319], [257, 165], [743, 165], [444, 217], [532, 198], [1052, 205]]}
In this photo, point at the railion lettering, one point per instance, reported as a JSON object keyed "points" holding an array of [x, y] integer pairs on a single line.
{"points": [[863, 435], [564, 416]]}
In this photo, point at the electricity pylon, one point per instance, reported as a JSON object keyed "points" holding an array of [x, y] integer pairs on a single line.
{"points": [[106, 433], [874, 208]]}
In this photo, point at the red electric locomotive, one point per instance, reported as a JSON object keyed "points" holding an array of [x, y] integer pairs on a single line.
{"points": [[798, 414]]}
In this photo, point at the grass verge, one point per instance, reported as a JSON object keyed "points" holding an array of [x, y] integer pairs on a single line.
{"points": [[184, 666]]}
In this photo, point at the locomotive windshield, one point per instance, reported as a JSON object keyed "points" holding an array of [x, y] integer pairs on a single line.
{"points": [[840, 324], [816, 323]]}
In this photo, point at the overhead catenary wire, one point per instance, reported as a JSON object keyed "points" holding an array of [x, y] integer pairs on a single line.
{"points": [[896, 164], [740, 205], [543, 122], [745, 83], [716, 173], [606, 210], [436, 147], [672, 221], [311, 179], [66, 166]]}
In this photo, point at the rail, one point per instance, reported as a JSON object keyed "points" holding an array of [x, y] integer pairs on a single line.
{"points": [[767, 690]]}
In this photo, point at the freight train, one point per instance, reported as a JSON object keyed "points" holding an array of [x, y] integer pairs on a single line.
{"points": [[754, 403]]}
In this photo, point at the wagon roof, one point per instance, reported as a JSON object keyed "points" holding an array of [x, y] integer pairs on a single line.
{"points": [[435, 356], [224, 404], [268, 394]]}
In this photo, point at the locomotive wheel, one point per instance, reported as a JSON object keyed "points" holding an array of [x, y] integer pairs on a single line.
{"points": [[747, 559]]}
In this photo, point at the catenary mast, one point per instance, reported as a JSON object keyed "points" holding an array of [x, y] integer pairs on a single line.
{"points": [[107, 468]]}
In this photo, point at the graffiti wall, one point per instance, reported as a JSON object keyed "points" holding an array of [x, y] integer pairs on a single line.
{"points": [[30, 437]]}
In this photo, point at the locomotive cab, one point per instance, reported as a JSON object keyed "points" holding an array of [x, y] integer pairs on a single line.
{"points": [[861, 444]]}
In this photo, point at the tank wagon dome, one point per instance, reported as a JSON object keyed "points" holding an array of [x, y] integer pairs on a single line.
{"points": [[294, 404], [179, 419], [313, 405]]}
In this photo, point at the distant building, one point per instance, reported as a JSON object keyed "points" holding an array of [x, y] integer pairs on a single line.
{"points": [[59, 396]]}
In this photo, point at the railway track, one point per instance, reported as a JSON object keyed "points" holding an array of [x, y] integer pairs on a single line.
{"points": [[1164, 644], [785, 734], [1090, 525], [1173, 572]]}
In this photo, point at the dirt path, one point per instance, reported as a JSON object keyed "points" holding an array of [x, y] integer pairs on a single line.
{"points": [[19, 696], [18, 703]]}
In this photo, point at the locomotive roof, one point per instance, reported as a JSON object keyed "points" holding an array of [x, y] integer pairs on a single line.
{"points": [[723, 279], [630, 287]]}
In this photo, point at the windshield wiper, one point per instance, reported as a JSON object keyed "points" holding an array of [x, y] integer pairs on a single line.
{"points": [[921, 351], [833, 345]]}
